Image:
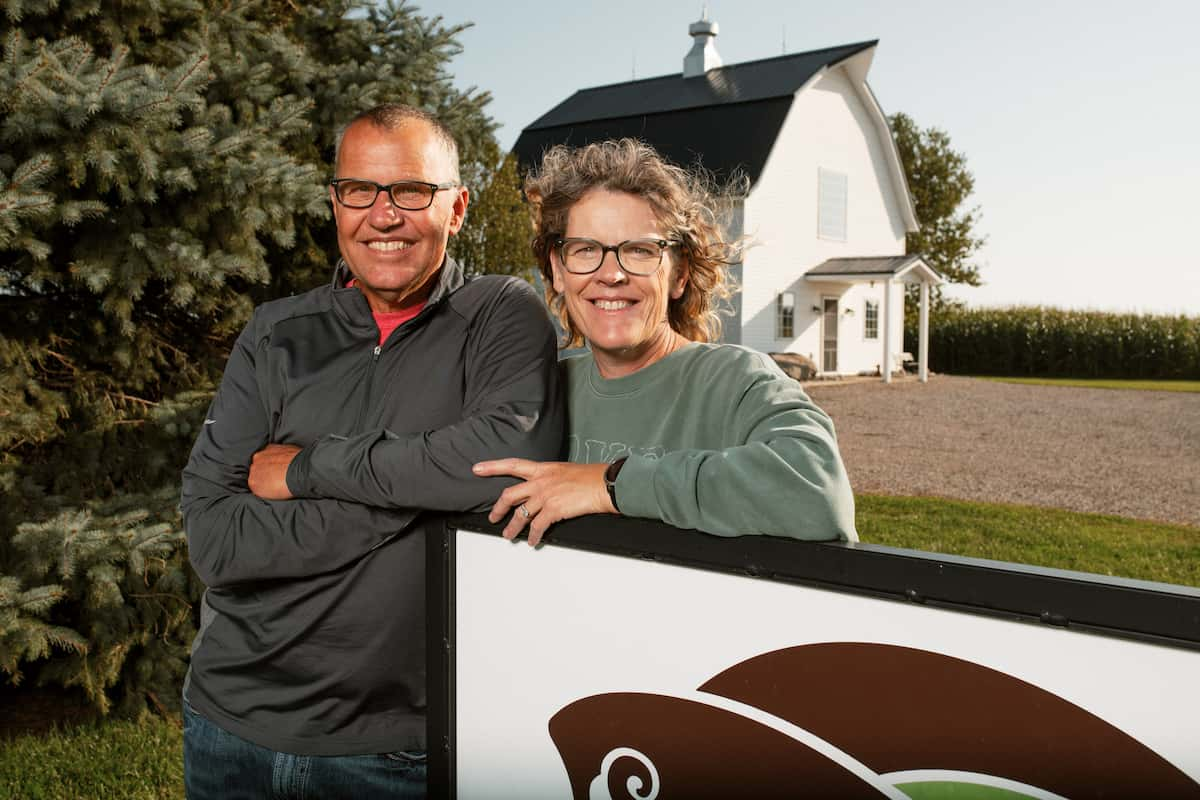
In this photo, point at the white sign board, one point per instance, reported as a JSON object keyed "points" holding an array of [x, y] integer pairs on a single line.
{"points": [[595, 676]]}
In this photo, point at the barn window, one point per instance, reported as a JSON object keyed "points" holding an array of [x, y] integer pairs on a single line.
{"points": [[831, 205], [785, 315], [871, 320]]}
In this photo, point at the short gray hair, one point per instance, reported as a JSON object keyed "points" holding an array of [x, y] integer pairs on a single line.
{"points": [[390, 116]]}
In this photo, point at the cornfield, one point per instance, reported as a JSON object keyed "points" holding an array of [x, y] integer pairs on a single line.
{"points": [[1052, 343]]}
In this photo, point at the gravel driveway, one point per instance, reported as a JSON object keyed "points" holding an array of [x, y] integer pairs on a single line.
{"points": [[1130, 453]]}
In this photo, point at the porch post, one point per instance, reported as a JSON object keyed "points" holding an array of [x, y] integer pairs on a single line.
{"points": [[923, 335], [887, 331]]}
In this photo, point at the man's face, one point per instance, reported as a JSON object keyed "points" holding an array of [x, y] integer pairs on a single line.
{"points": [[395, 254]]}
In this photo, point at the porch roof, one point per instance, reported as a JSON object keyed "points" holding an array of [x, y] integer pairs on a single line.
{"points": [[873, 268]]}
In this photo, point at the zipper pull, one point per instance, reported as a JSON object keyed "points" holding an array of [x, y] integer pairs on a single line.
{"points": [[378, 347]]}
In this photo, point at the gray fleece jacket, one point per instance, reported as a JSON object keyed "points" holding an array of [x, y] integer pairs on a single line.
{"points": [[312, 636]]}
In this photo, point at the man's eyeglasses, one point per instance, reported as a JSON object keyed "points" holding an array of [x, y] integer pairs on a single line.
{"points": [[405, 195], [636, 256]]}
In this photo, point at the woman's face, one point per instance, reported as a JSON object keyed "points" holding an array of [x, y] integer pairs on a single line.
{"points": [[623, 316]]}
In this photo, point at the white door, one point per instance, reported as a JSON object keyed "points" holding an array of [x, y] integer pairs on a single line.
{"points": [[829, 334]]}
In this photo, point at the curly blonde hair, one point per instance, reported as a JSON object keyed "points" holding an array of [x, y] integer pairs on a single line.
{"points": [[686, 203]]}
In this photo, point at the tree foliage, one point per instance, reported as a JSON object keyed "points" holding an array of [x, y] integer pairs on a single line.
{"points": [[940, 184], [162, 169], [498, 234]]}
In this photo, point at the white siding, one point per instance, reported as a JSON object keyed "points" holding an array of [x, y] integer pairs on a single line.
{"points": [[857, 353], [828, 127]]}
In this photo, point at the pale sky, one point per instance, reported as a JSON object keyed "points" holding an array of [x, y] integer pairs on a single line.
{"points": [[1078, 119]]}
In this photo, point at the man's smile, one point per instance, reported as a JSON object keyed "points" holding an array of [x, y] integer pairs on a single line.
{"points": [[389, 246]]}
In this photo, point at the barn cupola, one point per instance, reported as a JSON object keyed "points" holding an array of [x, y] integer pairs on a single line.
{"points": [[703, 56]]}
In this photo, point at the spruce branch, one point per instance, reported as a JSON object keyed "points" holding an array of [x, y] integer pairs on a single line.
{"points": [[160, 100], [12, 47], [165, 345], [33, 171], [190, 72], [128, 398], [114, 66], [163, 595], [65, 638], [28, 82], [32, 601], [66, 361]]}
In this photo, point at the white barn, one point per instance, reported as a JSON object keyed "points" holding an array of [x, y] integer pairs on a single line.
{"points": [[828, 206]]}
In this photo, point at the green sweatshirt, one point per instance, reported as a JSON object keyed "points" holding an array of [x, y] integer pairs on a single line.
{"points": [[717, 439]]}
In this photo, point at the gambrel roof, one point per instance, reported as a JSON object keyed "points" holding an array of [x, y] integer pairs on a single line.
{"points": [[727, 119]]}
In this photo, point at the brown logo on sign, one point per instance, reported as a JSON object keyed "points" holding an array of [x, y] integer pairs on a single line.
{"points": [[883, 719]]}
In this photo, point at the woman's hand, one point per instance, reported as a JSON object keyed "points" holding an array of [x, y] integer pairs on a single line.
{"points": [[552, 490]]}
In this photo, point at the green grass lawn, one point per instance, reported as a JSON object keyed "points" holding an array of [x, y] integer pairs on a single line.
{"points": [[1098, 383], [109, 759], [1044, 537]]}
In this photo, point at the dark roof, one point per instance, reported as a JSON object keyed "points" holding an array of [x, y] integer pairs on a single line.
{"points": [[781, 76], [709, 136], [727, 119], [866, 265]]}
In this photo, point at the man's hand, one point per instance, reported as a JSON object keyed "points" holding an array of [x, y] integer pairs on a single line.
{"points": [[552, 491], [268, 471]]}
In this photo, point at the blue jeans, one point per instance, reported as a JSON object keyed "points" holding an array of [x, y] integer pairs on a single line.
{"points": [[220, 766]]}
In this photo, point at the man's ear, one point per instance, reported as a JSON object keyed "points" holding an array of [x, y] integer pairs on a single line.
{"points": [[458, 211], [333, 201]]}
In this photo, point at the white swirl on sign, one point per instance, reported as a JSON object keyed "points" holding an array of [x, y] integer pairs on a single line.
{"points": [[598, 788]]}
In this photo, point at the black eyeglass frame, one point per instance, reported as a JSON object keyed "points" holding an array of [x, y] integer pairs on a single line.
{"points": [[433, 188], [615, 249]]}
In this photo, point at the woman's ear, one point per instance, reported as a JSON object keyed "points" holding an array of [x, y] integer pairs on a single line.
{"points": [[557, 271], [679, 278]]}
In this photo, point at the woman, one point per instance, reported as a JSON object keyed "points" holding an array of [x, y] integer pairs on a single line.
{"points": [[662, 424]]}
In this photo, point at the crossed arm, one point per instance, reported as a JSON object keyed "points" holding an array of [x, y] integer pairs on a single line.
{"points": [[513, 406], [245, 521], [563, 490], [235, 537]]}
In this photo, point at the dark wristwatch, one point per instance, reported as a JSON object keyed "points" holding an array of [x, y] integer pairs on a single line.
{"points": [[610, 480]]}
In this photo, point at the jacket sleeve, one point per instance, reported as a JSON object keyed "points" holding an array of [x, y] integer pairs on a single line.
{"points": [[786, 478], [513, 407], [234, 537]]}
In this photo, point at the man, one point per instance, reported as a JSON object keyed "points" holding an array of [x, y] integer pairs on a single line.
{"points": [[308, 673]]}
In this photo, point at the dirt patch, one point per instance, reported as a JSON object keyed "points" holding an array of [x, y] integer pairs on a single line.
{"points": [[1129, 453]]}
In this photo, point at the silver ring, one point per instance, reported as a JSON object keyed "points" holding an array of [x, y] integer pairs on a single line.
{"points": [[524, 511]]}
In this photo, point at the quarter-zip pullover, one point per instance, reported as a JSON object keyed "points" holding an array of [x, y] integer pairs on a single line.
{"points": [[312, 635]]}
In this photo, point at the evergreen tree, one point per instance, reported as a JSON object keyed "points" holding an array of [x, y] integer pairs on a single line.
{"points": [[162, 169], [940, 183]]}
